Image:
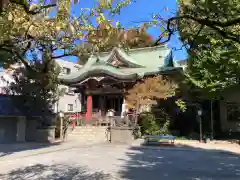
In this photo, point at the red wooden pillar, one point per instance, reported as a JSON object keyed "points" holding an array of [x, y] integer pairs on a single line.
{"points": [[89, 108]]}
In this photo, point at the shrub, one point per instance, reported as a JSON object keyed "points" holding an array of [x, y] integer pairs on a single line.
{"points": [[148, 124], [164, 130]]}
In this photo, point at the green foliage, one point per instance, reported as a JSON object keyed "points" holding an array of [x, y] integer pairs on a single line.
{"points": [[164, 130], [148, 124], [37, 92], [181, 104], [30, 25], [182, 138], [214, 55]]}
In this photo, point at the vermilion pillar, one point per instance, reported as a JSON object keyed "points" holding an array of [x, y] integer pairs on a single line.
{"points": [[89, 108]]}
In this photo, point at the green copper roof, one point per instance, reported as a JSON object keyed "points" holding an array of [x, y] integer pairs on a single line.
{"points": [[138, 63]]}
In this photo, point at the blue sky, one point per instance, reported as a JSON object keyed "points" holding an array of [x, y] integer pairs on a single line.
{"points": [[142, 10]]}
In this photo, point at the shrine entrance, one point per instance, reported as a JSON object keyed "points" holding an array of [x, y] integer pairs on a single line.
{"points": [[103, 103]]}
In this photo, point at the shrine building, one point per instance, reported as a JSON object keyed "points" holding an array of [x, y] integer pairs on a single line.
{"points": [[105, 78]]}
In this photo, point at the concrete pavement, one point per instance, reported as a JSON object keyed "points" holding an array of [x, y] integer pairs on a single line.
{"points": [[107, 161]]}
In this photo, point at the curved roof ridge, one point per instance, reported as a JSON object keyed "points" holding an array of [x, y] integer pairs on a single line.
{"points": [[91, 60], [83, 73], [125, 56]]}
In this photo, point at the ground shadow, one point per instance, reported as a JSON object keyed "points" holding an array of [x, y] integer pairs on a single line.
{"points": [[179, 163], [8, 149], [64, 172]]}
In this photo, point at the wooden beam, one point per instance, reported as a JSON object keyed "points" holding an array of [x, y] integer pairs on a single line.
{"points": [[105, 91]]}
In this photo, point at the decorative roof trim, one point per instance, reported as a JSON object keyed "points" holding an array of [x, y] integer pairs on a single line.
{"points": [[126, 59]]}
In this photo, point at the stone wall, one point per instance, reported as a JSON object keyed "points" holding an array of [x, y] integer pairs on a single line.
{"points": [[32, 124], [38, 135], [8, 129], [21, 129], [93, 134], [121, 135], [45, 135]]}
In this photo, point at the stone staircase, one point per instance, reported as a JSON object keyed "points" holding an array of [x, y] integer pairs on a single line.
{"points": [[91, 134]]}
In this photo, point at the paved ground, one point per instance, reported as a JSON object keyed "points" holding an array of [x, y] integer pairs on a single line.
{"points": [[103, 162], [213, 145]]}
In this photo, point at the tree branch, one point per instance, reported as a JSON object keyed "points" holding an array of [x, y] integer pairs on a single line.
{"points": [[208, 22], [26, 6], [216, 25], [196, 35], [61, 56], [20, 57], [170, 33]]}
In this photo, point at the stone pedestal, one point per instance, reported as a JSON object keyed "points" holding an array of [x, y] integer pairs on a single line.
{"points": [[121, 135], [21, 129], [46, 134]]}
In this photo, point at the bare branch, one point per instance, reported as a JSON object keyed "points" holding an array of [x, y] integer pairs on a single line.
{"points": [[216, 25], [20, 57], [208, 22], [170, 33]]}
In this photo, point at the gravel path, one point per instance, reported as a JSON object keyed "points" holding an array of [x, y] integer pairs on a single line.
{"points": [[103, 162]]}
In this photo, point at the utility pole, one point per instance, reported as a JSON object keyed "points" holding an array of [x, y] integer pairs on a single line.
{"points": [[199, 114], [212, 125]]}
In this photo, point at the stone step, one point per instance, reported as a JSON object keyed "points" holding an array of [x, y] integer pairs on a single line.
{"points": [[89, 129], [90, 134], [80, 137], [94, 139], [84, 133], [87, 133]]}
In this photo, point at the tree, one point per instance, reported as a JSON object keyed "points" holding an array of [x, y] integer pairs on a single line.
{"points": [[214, 49], [34, 38], [129, 38], [24, 32], [36, 93], [146, 92], [220, 17], [26, 6], [29, 27]]}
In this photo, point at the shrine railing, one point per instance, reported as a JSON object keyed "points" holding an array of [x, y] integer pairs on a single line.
{"points": [[98, 120]]}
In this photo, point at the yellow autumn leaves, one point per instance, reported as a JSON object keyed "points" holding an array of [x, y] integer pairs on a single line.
{"points": [[149, 90]]}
